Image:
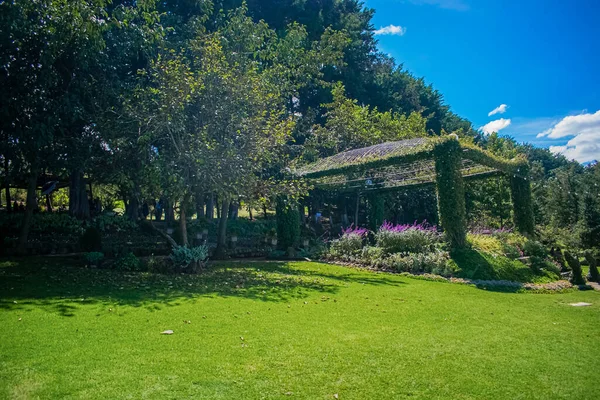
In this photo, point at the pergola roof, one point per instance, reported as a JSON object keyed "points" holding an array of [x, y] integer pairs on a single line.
{"points": [[398, 164], [365, 154]]}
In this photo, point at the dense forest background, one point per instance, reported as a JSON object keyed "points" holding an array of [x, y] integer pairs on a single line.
{"points": [[206, 104]]}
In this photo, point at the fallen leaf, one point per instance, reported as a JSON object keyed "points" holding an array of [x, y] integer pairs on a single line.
{"points": [[335, 396], [580, 304], [167, 332]]}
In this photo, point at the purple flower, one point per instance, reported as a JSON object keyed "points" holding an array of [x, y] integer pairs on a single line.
{"points": [[355, 230], [423, 226]]}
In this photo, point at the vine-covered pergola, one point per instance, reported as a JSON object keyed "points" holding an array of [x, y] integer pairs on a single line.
{"points": [[443, 161]]}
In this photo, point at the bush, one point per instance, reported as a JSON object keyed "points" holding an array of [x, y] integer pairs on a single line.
{"points": [[534, 248], [349, 244], [435, 262], [94, 258], [159, 265], [416, 238], [129, 262], [372, 255], [91, 240], [113, 223], [189, 258]]}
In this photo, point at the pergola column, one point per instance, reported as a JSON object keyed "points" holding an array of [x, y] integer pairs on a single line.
{"points": [[451, 192], [520, 193]]}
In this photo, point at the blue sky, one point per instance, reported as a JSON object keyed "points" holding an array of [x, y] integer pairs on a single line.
{"points": [[539, 58]]}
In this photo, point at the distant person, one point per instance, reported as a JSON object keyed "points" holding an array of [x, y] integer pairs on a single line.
{"points": [[158, 210]]}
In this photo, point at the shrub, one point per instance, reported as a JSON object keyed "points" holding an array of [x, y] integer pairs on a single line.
{"points": [[594, 275], [94, 258], [535, 249], [129, 262], [189, 257], [435, 262], [158, 265], [349, 244], [91, 240], [113, 223], [372, 255], [415, 238]]}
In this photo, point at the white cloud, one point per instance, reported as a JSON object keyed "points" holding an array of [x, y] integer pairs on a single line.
{"points": [[495, 126], [584, 146], [501, 109], [391, 30]]}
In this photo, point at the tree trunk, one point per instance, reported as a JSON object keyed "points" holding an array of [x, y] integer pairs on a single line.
{"points": [[199, 204], [48, 203], [182, 221], [210, 206], [79, 206], [7, 187], [221, 250], [265, 211], [356, 209], [218, 208], [30, 206], [169, 213], [250, 213]]}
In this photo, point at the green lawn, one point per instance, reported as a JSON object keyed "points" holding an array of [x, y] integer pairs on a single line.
{"points": [[277, 330]]}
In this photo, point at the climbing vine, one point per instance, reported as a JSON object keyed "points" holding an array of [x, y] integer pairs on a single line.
{"points": [[288, 223], [451, 192], [376, 211]]}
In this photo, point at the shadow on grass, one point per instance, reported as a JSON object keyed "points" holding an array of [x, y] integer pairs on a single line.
{"points": [[476, 266], [61, 285]]}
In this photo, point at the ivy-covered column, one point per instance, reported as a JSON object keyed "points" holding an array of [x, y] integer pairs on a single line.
{"points": [[288, 224], [376, 211], [520, 191], [451, 192]]}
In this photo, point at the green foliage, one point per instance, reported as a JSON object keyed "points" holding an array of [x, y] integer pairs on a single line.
{"points": [[113, 224], [376, 211], [350, 126], [91, 240], [347, 245], [288, 223], [43, 223], [475, 264], [522, 204], [436, 262], [186, 257], [451, 193], [408, 241], [94, 258], [128, 262], [534, 248]]}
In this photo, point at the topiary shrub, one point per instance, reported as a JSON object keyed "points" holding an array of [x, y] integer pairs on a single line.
{"points": [[573, 262], [594, 275], [91, 240]]}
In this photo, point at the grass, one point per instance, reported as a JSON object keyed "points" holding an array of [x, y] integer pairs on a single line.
{"points": [[277, 330]]}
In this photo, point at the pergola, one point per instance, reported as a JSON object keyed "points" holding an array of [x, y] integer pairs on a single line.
{"points": [[444, 162]]}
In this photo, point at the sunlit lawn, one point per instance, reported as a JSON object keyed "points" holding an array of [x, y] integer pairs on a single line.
{"points": [[276, 330]]}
